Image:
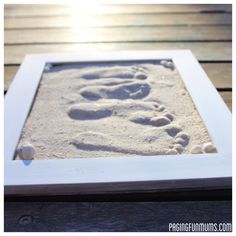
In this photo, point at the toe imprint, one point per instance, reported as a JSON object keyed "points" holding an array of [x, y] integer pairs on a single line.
{"points": [[140, 75], [183, 136], [161, 108], [172, 130], [169, 116], [181, 141], [179, 148], [159, 121]]}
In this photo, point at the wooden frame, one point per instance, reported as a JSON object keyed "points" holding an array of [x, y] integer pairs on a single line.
{"points": [[99, 175]]}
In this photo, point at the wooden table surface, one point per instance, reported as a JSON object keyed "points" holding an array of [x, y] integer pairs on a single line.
{"points": [[204, 29]]}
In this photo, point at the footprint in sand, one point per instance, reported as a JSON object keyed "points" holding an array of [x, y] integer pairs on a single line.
{"points": [[143, 113], [120, 72], [95, 141], [104, 109], [120, 94], [117, 82], [133, 90]]}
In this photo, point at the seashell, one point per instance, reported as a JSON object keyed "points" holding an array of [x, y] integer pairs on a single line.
{"points": [[48, 67], [171, 151], [208, 148], [26, 151], [163, 62], [160, 121], [196, 149], [167, 64], [170, 65]]}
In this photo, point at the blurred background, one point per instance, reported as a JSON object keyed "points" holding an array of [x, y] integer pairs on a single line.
{"points": [[205, 29]]}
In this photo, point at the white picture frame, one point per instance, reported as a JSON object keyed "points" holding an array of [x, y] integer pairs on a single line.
{"points": [[118, 174]]}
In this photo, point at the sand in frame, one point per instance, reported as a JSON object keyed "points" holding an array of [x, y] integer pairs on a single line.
{"points": [[118, 174], [112, 109]]}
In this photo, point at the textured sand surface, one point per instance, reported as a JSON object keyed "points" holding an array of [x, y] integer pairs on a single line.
{"points": [[112, 109]]}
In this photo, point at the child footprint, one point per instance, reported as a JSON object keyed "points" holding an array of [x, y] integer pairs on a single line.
{"points": [[151, 138], [96, 141], [93, 111]]}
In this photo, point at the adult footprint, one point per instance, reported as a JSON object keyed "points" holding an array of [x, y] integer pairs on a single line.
{"points": [[121, 72], [154, 141], [94, 141], [123, 91], [91, 111]]}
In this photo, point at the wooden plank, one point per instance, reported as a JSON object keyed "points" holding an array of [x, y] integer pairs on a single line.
{"points": [[204, 51], [227, 97], [137, 196], [117, 20], [120, 34], [18, 10], [111, 216], [9, 73], [220, 74]]}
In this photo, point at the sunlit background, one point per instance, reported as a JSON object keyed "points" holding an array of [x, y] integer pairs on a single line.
{"points": [[204, 29]]}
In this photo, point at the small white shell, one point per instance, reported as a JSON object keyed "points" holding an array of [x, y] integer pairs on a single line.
{"points": [[171, 151], [167, 64], [208, 148], [170, 65], [26, 151], [196, 149], [48, 67]]}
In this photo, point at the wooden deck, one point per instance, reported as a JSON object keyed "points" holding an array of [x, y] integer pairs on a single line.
{"points": [[204, 29]]}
